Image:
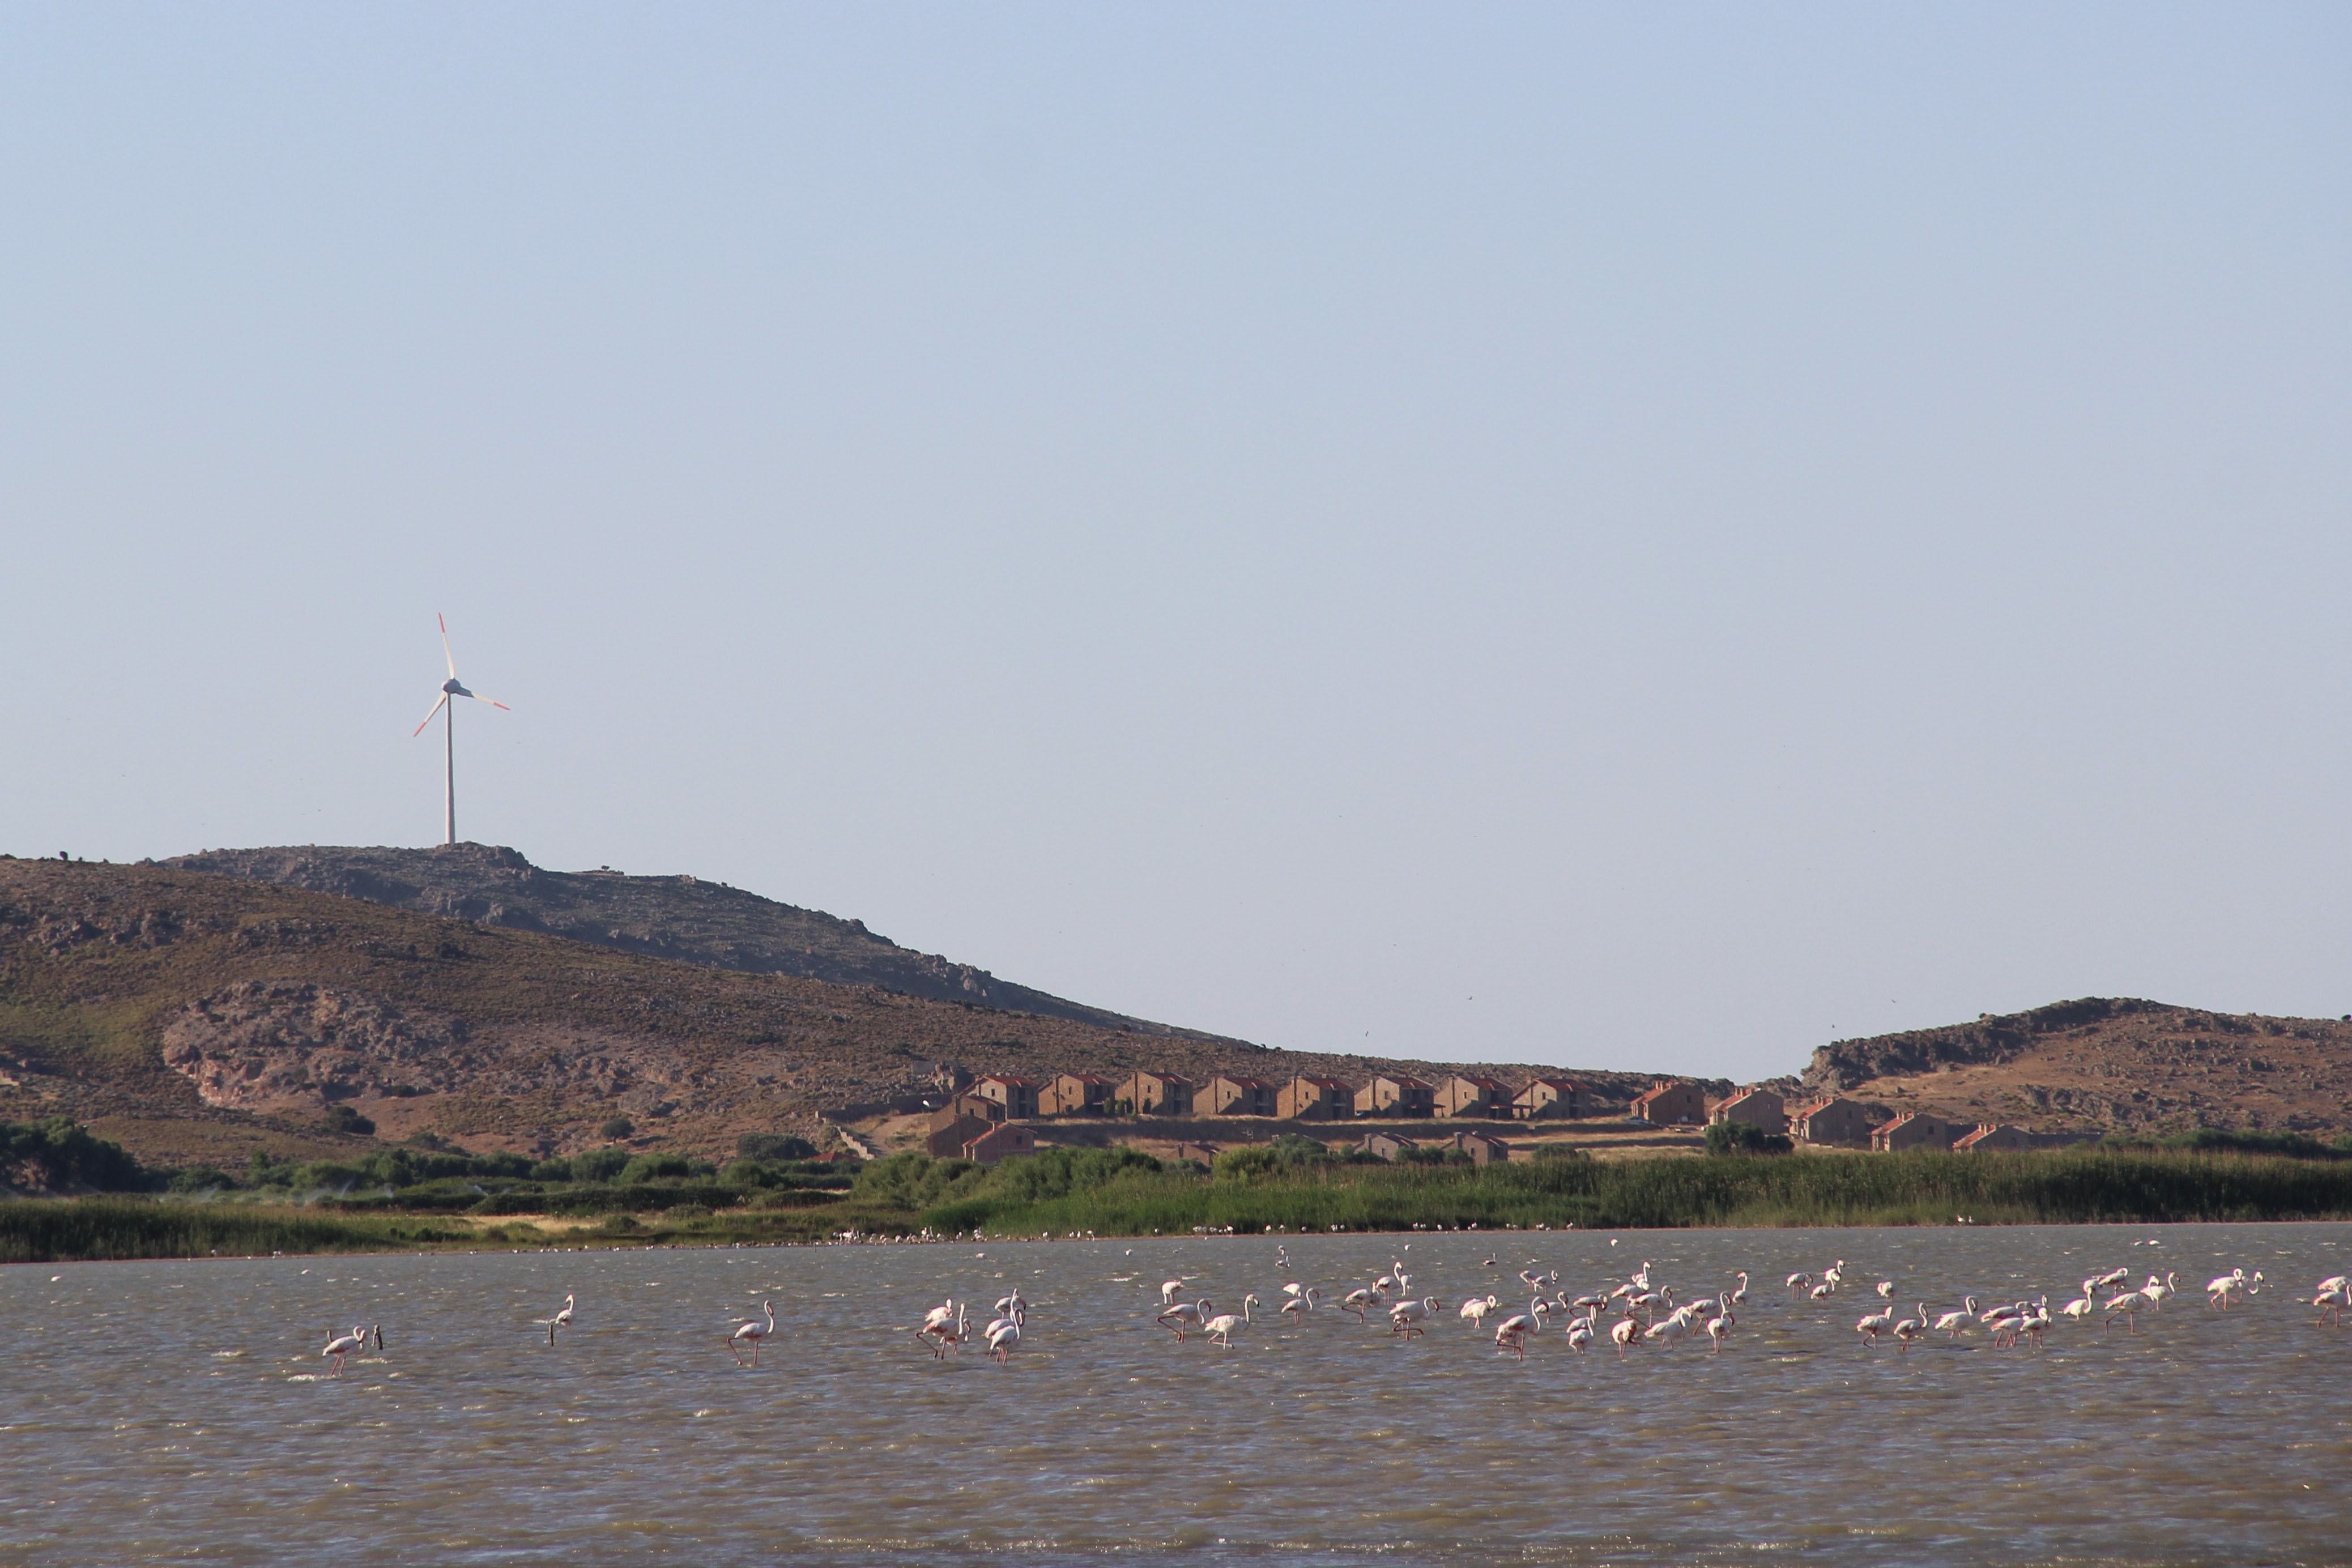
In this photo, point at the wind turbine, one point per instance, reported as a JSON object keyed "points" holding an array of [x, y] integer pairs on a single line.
{"points": [[451, 688]]}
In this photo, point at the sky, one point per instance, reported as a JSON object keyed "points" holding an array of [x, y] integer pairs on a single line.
{"points": [[1642, 537]]}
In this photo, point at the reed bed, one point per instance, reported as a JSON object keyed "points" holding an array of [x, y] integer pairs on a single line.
{"points": [[56, 1230], [2088, 1186]]}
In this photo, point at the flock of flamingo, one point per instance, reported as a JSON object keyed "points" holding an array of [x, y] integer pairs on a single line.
{"points": [[1636, 1312]]}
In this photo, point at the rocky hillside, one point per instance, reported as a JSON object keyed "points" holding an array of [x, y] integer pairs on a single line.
{"points": [[2102, 1064], [681, 918], [193, 1015]]}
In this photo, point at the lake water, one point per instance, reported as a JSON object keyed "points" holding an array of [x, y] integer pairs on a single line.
{"points": [[172, 1412]]}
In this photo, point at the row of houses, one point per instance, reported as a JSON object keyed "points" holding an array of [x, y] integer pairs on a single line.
{"points": [[1300, 1099], [1830, 1119]]}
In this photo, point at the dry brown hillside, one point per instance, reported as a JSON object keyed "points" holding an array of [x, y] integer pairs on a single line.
{"points": [[2102, 1065], [195, 1016]]}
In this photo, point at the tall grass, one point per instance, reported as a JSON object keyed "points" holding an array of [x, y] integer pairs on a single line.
{"points": [[1919, 1188], [53, 1230]]}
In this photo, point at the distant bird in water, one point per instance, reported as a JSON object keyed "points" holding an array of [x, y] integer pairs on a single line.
{"points": [[753, 1335], [562, 1320], [339, 1346]]}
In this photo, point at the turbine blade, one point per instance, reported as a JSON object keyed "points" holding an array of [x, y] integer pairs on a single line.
{"points": [[444, 644], [491, 700], [429, 717]]}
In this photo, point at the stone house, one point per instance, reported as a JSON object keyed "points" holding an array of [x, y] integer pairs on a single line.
{"points": [[1396, 1094], [1231, 1094], [1545, 1098], [1835, 1121], [1469, 1094], [1156, 1094], [1990, 1137], [947, 1139], [1387, 1145], [1671, 1104], [1307, 1098], [1075, 1094], [1482, 1150], [1004, 1138], [1017, 1094], [1756, 1107], [1918, 1130]]}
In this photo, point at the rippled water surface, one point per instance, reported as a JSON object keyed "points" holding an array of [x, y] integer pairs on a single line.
{"points": [[175, 1411]]}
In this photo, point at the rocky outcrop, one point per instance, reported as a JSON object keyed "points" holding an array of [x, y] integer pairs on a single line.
{"points": [[266, 1045], [682, 917], [1842, 1064]]}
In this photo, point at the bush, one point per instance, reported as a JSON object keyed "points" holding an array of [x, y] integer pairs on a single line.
{"points": [[598, 1165], [773, 1146], [1288, 1154], [650, 1167], [619, 1225], [617, 1128], [551, 1171], [343, 1119], [1740, 1138], [61, 1154], [1434, 1154], [200, 1179]]}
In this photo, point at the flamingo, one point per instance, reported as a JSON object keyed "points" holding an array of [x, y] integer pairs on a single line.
{"points": [[938, 1317], [2080, 1307], [1886, 1288], [1953, 1324], [2112, 1276], [1740, 1297], [2005, 1323], [1167, 1289], [2335, 1282], [341, 1345], [2332, 1302], [2155, 1290], [1221, 1326], [1358, 1300], [1001, 1338], [1909, 1329], [1299, 1306], [1477, 1308], [2036, 1320], [2128, 1306], [1800, 1283], [1627, 1333], [2219, 1292], [1580, 1334], [1876, 1324], [1511, 1334], [1183, 1315], [1406, 1317], [1834, 1275], [1822, 1291], [562, 1320], [752, 1335], [1718, 1329], [1672, 1331]]}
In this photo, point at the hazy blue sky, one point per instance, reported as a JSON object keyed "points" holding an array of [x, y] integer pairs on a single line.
{"points": [[1636, 536]]}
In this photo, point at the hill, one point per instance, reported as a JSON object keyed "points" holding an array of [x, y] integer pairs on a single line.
{"points": [[2108, 1065], [682, 917], [197, 1017]]}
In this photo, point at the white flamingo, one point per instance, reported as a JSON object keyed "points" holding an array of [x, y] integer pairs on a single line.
{"points": [[1167, 1289], [1627, 1333], [1299, 1306], [753, 1335], [2226, 1289], [1406, 1317], [1184, 1315], [1886, 1288], [2332, 1301], [2128, 1306], [1876, 1324], [1580, 1334], [1477, 1308], [1358, 1300], [1221, 1326], [1799, 1283], [1834, 1275], [1001, 1340], [1909, 1329], [2081, 1306], [1718, 1329], [1740, 1297], [2007, 1323], [562, 1320], [1954, 1323], [341, 1345], [2155, 1290], [1511, 1334]]}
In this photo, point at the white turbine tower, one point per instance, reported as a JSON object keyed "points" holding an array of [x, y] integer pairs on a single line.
{"points": [[451, 688]]}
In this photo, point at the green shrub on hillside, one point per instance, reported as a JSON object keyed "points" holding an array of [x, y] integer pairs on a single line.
{"points": [[62, 1155], [765, 1146]]}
